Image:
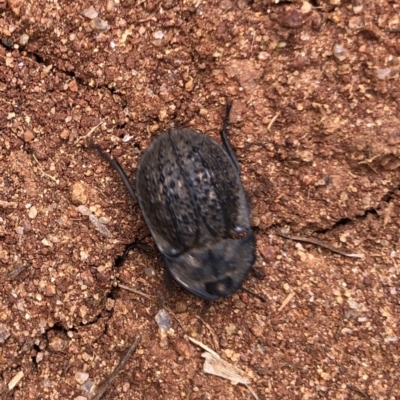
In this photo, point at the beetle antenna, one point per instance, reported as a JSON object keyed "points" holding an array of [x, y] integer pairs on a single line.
{"points": [[117, 166]]}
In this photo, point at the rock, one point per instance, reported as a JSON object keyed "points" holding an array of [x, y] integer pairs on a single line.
{"points": [[4, 333], [78, 193], [256, 330], [32, 212], [81, 377]]}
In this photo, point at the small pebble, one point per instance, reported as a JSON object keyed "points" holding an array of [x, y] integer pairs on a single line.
{"points": [[292, 19], [127, 138], [78, 193], [306, 155], [110, 303], [154, 128], [7, 43], [189, 85], [263, 55], [49, 290], [230, 329], [180, 306], [28, 136], [87, 387], [162, 319], [83, 210], [64, 134], [125, 387], [255, 221], [391, 339], [356, 22], [158, 35], [46, 243], [32, 212], [306, 7], [24, 39], [81, 377], [57, 344], [90, 13], [228, 353], [4, 333], [110, 7], [15, 6], [183, 348], [383, 73], [149, 272], [99, 24], [339, 52]]}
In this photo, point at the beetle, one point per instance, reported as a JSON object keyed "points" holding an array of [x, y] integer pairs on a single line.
{"points": [[189, 190]]}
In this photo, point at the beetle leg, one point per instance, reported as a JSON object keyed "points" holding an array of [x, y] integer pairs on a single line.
{"points": [[117, 166], [168, 279], [257, 296], [225, 139], [135, 245], [257, 274]]}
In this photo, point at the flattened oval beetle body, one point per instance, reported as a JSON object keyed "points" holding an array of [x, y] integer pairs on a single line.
{"points": [[189, 190], [193, 201]]}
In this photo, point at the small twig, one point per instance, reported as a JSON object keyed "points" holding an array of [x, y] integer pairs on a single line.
{"points": [[369, 163], [289, 297], [252, 43], [251, 390], [44, 173], [274, 118], [116, 371], [358, 391], [213, 334], [89, 133], [16, 271], [371, 160], [321, 244], [129, 289], [203, 346]]}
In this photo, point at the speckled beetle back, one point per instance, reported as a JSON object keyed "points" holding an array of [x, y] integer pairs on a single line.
{"points": [[192, 198]]}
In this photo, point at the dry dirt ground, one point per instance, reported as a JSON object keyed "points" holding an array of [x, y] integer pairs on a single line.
{"points": [[315, 125]]}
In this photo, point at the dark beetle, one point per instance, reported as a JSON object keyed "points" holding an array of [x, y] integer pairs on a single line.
{"points": [[189, 189]]}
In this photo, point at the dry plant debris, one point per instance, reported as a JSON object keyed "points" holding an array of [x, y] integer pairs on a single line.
{"points": [[215, 365]]}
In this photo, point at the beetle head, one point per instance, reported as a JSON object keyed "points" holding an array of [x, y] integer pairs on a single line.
{"points": [[216, 269]]}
